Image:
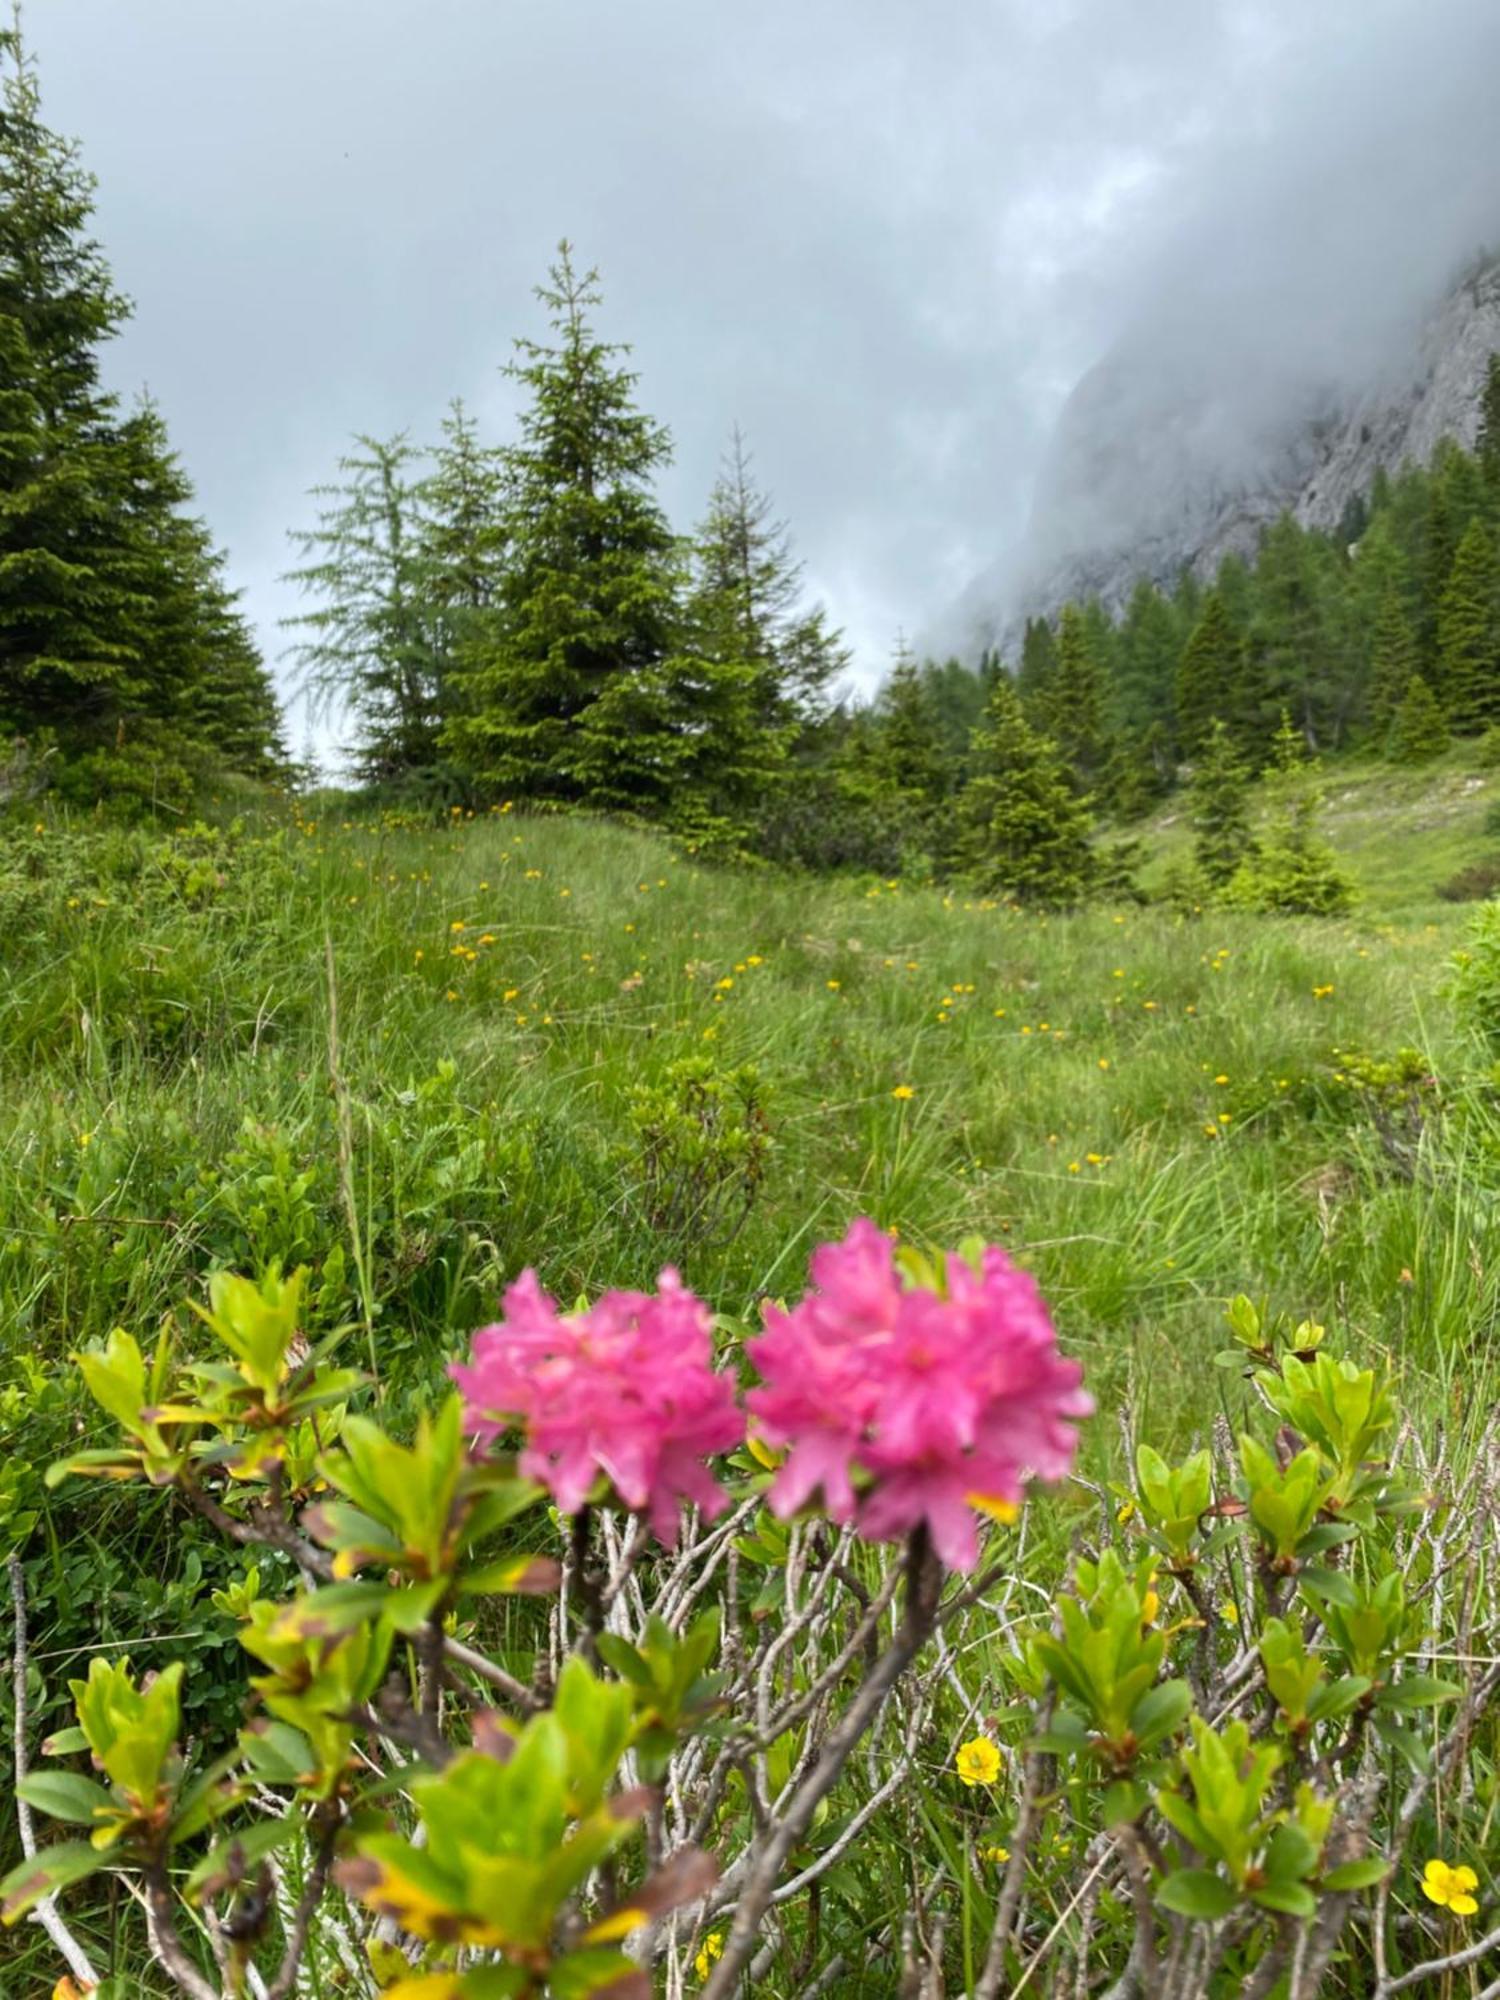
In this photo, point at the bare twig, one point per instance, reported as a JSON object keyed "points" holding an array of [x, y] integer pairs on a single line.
{"points": [[46, 1912]]}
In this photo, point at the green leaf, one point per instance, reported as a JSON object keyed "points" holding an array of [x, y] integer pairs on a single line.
{"points": [[1291, 1899], [1338, 1697], [1197, 1893], [53, 1869], [1159, 1711], [1358, 1874], [1122, 1801], [623, 1657], [1417, 1691], [65, 1795], [232, 1859], [64, 1742], [608, 1974]]}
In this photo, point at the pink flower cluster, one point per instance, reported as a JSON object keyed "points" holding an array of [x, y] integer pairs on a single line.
{"points": [[905, 1406], [626, 1388]]}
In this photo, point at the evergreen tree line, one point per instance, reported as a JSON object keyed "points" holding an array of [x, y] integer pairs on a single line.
{"points": [[520, 620], [124, 659], [1383, 634]]}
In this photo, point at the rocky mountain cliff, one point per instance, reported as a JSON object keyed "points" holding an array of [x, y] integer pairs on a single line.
{"points": [[1168, 455]]}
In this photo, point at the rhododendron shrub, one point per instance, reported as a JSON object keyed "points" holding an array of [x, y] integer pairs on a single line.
{"points": [[906, 1403], [794, 1711], [625, 1392]]}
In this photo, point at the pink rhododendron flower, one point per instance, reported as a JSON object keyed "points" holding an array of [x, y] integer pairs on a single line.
{"points": [[939, 1402], [626, 1388]]}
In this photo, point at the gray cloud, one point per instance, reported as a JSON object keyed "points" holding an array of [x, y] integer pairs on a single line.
{"points": [[885, 238]]}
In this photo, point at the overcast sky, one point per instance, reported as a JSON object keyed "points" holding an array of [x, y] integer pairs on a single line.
{"points": [[885, 236]]}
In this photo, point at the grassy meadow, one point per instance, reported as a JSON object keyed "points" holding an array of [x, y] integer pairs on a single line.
{"points": [[412, 1057]]}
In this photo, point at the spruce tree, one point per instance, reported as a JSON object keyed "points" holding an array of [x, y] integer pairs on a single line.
{"points": [[1024, 831], [113, 612], [1468, 629], [1418, 732], [593, 574], [907, 757], [1078, 696], [1288, 747], [1290, 634], [1149, 647], [459, 508], [1038, 669], [373, 642], [1294, 872], [1439, 546], [1393, 661], [1218, 808], [1210, 675], [1487, 445]]}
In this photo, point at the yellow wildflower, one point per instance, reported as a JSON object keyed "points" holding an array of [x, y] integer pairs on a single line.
{"points": [[713, 1947], [903, 1091], [1450, 1888], [978, 1761]]}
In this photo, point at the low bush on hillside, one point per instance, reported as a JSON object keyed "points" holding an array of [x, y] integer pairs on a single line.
{"points": [[602, 1675]]}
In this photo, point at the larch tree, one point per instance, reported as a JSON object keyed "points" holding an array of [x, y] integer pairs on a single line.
{"points": [[371, 644], [748, 600], [461, 529]]}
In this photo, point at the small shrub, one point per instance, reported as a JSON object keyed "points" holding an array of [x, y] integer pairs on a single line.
{"points": [[704, 1142], [1474, 981], [1474, 883]]}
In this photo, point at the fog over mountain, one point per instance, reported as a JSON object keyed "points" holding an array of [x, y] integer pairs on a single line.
{"points": [[890, 241]]}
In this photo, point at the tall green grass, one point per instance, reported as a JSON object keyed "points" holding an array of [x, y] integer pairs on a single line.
{"points": [[408, 1057]]}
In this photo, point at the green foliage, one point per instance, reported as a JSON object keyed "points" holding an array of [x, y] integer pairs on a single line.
{"points": [[1393, 666], [1219, 808], [120, 641], [1474, 982], [1211, 673], [1468, 628], [1077, 698], [587, 595], [1418, 730], [1292, 871], [704, 1143], [374, 643], [1026, 833]]}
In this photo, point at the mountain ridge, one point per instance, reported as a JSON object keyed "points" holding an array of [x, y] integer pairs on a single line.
{"points": [[1166, 458]]}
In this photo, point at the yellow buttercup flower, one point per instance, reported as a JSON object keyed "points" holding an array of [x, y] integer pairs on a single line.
{"points": [[903, 1091], [999, 1855], [978, 1761], [1450, 1888], [713, 1947]]}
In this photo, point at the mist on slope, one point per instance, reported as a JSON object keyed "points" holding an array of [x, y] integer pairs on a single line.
{"points": [[1293, 266]]}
